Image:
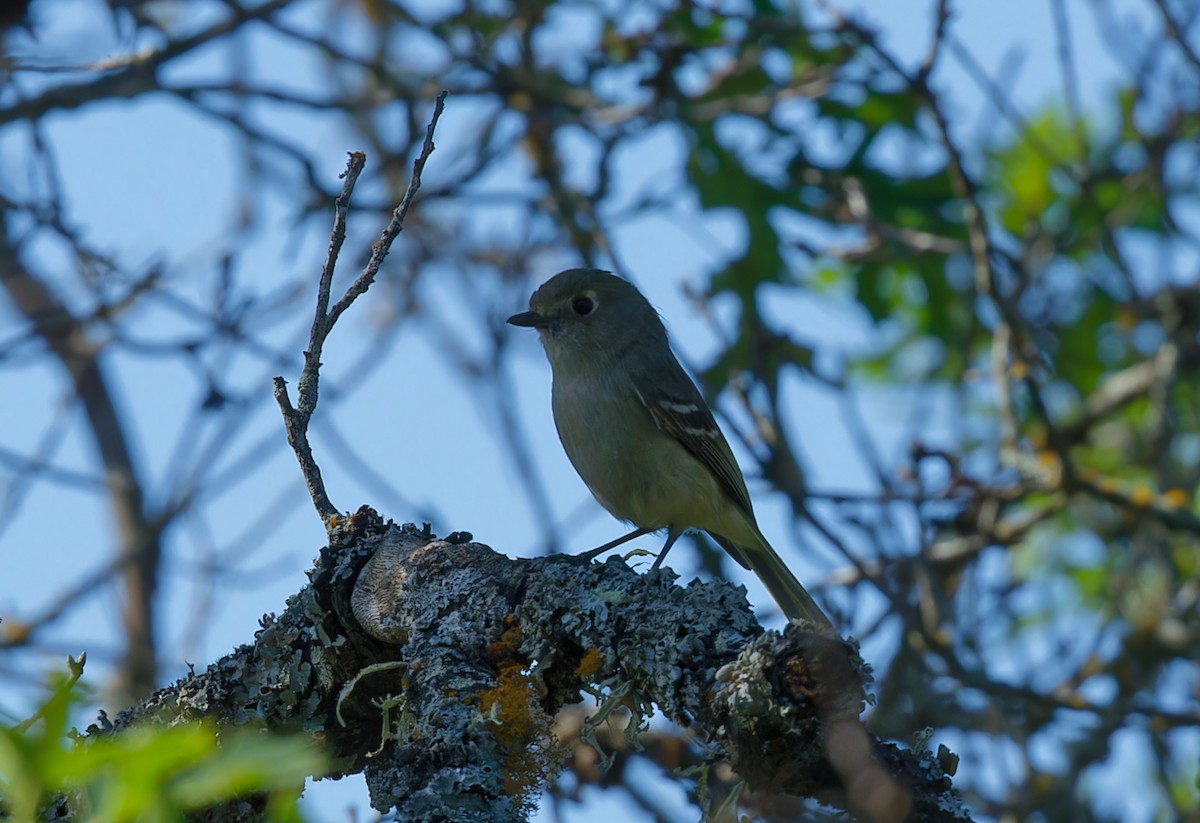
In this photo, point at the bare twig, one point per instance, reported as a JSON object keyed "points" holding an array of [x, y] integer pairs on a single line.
{"points": [[1178, 34], [1066, 62], [396, 225], [1122, 388], [296, 418], [322, 323], [941, 21], [132, 75]]}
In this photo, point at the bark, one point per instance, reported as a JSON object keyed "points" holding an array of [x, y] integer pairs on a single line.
{"points": [[447, 663]]}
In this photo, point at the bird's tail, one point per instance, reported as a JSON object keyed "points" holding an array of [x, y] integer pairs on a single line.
{"points": [[793, 598]]}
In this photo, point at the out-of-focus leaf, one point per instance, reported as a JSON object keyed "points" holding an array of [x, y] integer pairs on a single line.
{"points": [[150, 773], [1022, 172]]}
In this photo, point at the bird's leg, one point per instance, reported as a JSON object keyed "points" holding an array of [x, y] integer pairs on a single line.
{"points": [[594, 553], [672, 536]]}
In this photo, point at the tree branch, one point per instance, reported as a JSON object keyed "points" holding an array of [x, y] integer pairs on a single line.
{"points": [[448, 662], [296, 418]]}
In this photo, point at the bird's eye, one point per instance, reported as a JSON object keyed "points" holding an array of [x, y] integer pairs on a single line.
{"points": [[583, 305]]}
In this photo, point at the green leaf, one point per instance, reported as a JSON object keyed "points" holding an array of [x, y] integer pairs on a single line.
{"points": [[149, 773]]}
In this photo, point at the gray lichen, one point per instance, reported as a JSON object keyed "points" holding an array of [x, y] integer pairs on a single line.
{"points": [[460, 657]]}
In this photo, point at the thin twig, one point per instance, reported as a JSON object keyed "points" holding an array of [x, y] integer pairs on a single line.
{"points": [[396, 225], [1066, 61], [306, 395], [1178, 34], [941, 21], [296, 425], [296, 418]]}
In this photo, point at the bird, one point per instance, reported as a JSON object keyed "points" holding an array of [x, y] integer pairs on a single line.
{"points": [[638, 431]]}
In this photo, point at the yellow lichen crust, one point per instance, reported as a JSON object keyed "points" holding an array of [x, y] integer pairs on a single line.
{"points": [[513, 714], [589, 665]]}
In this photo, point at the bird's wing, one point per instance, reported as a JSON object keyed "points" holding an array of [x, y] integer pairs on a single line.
{"points": [[679, 410]]}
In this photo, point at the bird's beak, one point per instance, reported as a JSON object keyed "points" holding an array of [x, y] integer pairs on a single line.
{"points": [[530, 319]]}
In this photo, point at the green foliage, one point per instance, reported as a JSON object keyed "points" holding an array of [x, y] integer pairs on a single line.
{"points": [[146, 773]]}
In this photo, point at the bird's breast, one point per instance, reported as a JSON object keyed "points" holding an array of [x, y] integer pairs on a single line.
{"points": [[637, 472]]}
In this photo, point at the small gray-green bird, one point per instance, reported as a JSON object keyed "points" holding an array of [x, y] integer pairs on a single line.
{"points": [[638, 431]]}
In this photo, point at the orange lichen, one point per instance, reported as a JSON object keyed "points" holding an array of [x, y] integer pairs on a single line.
{"points": [[507, 648], [1141, 495], [589, 664], [1174, 499], [510, 708], [514, 717]]}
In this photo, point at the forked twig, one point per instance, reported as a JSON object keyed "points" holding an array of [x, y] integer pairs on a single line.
{"points": [[295, 419]]}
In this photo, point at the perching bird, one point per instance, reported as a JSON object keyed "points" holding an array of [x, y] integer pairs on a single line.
{"points": [[638, 431]]}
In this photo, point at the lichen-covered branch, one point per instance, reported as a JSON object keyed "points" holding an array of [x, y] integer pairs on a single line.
{"points": [[436, 668]]}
